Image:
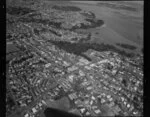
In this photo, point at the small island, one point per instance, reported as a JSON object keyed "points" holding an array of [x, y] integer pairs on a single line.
{"points": [[126, 46], [66, 8]]}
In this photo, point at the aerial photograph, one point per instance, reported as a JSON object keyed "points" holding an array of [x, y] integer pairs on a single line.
{"points": [[83, 58]]}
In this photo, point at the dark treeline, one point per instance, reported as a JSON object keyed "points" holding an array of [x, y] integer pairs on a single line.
{"points": [[66, 8], [94, 24], [41, 21], [89, 15], [37, 18], [18, 10], [80, 48], [126, 46]]}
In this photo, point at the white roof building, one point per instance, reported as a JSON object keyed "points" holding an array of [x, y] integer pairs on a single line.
{"points": [[34, 110], [97, 111]]}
